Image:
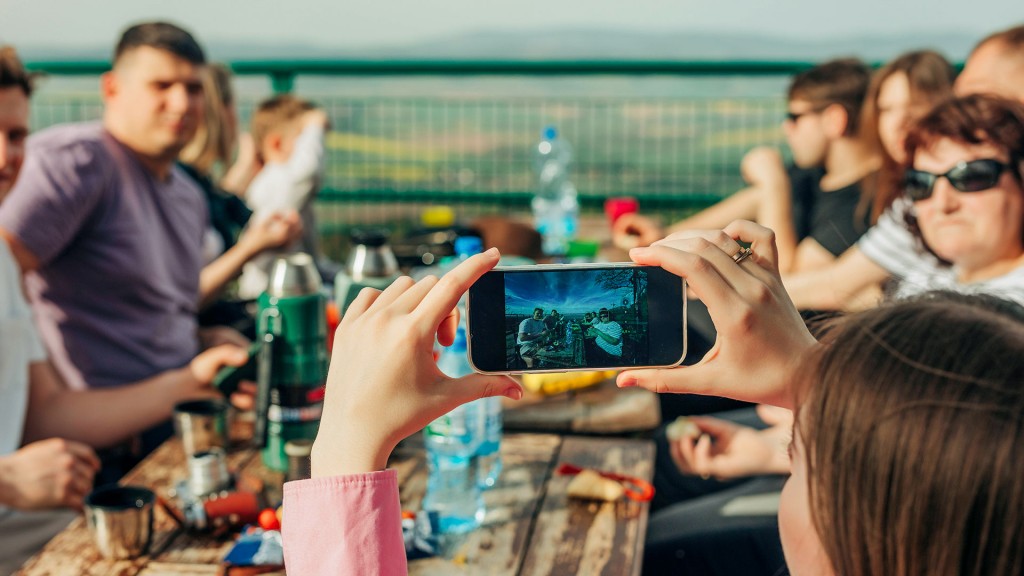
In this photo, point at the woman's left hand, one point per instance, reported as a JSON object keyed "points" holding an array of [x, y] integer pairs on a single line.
{"points": [[383, 384]]}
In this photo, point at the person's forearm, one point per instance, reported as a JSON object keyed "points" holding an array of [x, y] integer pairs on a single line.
{"points": [[344, 525], [8, 495], [304, 165], [816, 290], [740, 206], [775, 211], [237, 179], [779, 437], [101, 418], [834, 287], [607, 338], [216, 275]]}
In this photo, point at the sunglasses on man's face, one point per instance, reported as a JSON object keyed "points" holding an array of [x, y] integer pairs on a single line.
{"points": [[973, 176], [794, 117]]}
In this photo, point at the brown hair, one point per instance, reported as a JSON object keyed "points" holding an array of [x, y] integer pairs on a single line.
{"points": [[973, 119], [1011, 38], [214, 140], [930, 77], [274, 115], [12, 72], [163, 36], [912, 422], [843, 81]]}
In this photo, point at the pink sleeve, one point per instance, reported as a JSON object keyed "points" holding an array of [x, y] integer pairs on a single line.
{"points": [[344, 525]]}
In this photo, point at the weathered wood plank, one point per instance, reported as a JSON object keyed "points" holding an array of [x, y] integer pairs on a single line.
{"points": [[601, 409], [530, 528], [580, 537], [499, 545]]}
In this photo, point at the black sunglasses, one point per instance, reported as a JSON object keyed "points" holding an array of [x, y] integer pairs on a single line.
{"points": [[973, 176], [794, 116]]}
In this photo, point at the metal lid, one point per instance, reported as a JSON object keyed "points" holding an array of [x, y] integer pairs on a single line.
{"points": [[294, 275], [370, 236]]}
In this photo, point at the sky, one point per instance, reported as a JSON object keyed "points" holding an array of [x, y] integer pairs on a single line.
{"points": [[359, 25], [569, 292]]}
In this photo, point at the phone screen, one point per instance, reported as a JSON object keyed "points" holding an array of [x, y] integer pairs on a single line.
{"points": [[562, 318]]}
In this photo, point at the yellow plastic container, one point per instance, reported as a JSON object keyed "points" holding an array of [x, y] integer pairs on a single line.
{"points": [[563, 381]]}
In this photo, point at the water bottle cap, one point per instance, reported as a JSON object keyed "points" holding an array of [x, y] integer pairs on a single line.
{"points": [[369, 236], [468, 245], [549, 133]]}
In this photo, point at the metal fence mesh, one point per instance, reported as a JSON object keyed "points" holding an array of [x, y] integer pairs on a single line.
{"points": [[388, 157]]}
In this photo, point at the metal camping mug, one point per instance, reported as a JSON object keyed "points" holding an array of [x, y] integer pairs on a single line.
{"points": [[121, 520], [201, 425], [208, 472]]}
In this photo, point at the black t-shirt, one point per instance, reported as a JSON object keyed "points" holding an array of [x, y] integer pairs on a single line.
{"points": [[830, 218], [228, 213]]}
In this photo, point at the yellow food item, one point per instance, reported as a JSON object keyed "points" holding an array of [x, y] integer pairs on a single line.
{"points": [[560, 382], [590, 485]]}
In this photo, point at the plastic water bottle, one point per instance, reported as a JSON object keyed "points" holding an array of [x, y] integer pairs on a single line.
{"points": [[452, 441], [556, 211], [489, 453]]}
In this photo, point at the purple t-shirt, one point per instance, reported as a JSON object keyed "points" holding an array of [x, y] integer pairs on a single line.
{"points": [[117, 288]]}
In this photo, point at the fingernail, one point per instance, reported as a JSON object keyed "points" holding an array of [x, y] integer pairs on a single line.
{"points": [[514, 393], [637, 251], [626, 382], [492, 252]]}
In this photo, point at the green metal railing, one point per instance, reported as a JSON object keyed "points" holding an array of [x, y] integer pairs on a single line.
{"points": [[389, 156]]}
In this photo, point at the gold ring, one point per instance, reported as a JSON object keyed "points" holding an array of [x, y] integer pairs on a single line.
{"points": [[742, 255]]}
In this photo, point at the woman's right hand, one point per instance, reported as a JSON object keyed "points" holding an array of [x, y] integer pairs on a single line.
{"points": [[760, 332], [725, 450], [50, 473]]}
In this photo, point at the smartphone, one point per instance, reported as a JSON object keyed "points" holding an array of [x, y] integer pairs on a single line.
{"points": [[561, 318]]}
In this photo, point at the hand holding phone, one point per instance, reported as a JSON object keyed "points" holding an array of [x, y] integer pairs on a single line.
{"points": [[560, 318]]}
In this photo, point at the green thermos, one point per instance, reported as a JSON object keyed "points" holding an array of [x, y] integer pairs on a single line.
{"points": [[291, 370]]}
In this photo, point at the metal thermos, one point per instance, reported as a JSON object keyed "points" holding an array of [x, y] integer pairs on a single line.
{"points": [[292, 364], [370, 264]]}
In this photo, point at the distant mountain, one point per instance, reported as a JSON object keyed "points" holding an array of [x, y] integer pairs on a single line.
{"points": [[583, 44]]}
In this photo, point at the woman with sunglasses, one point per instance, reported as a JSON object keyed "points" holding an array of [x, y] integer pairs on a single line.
{"points": [[962, 164], [965, 182]]}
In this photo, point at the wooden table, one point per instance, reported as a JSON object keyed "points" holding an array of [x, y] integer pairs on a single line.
{"points": [[531, 527], [600, 409]]}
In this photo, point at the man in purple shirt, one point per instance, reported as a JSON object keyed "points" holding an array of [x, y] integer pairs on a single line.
{"points": [[108, 231]]}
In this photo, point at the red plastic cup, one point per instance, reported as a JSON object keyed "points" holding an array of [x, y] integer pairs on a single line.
{"points": [[615, 207]]}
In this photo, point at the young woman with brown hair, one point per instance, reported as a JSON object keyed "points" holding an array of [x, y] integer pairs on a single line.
{"points": [[907, 443]]}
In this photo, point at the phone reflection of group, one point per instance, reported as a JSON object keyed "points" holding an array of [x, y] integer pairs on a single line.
{"points": [[594, 338]]}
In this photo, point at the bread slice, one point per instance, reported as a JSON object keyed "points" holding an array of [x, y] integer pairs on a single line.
{"points": [[590, 485]]}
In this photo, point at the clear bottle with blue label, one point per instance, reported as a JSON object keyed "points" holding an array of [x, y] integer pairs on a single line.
{"points": [[489, 452], [556, 209], [453, 442]]}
